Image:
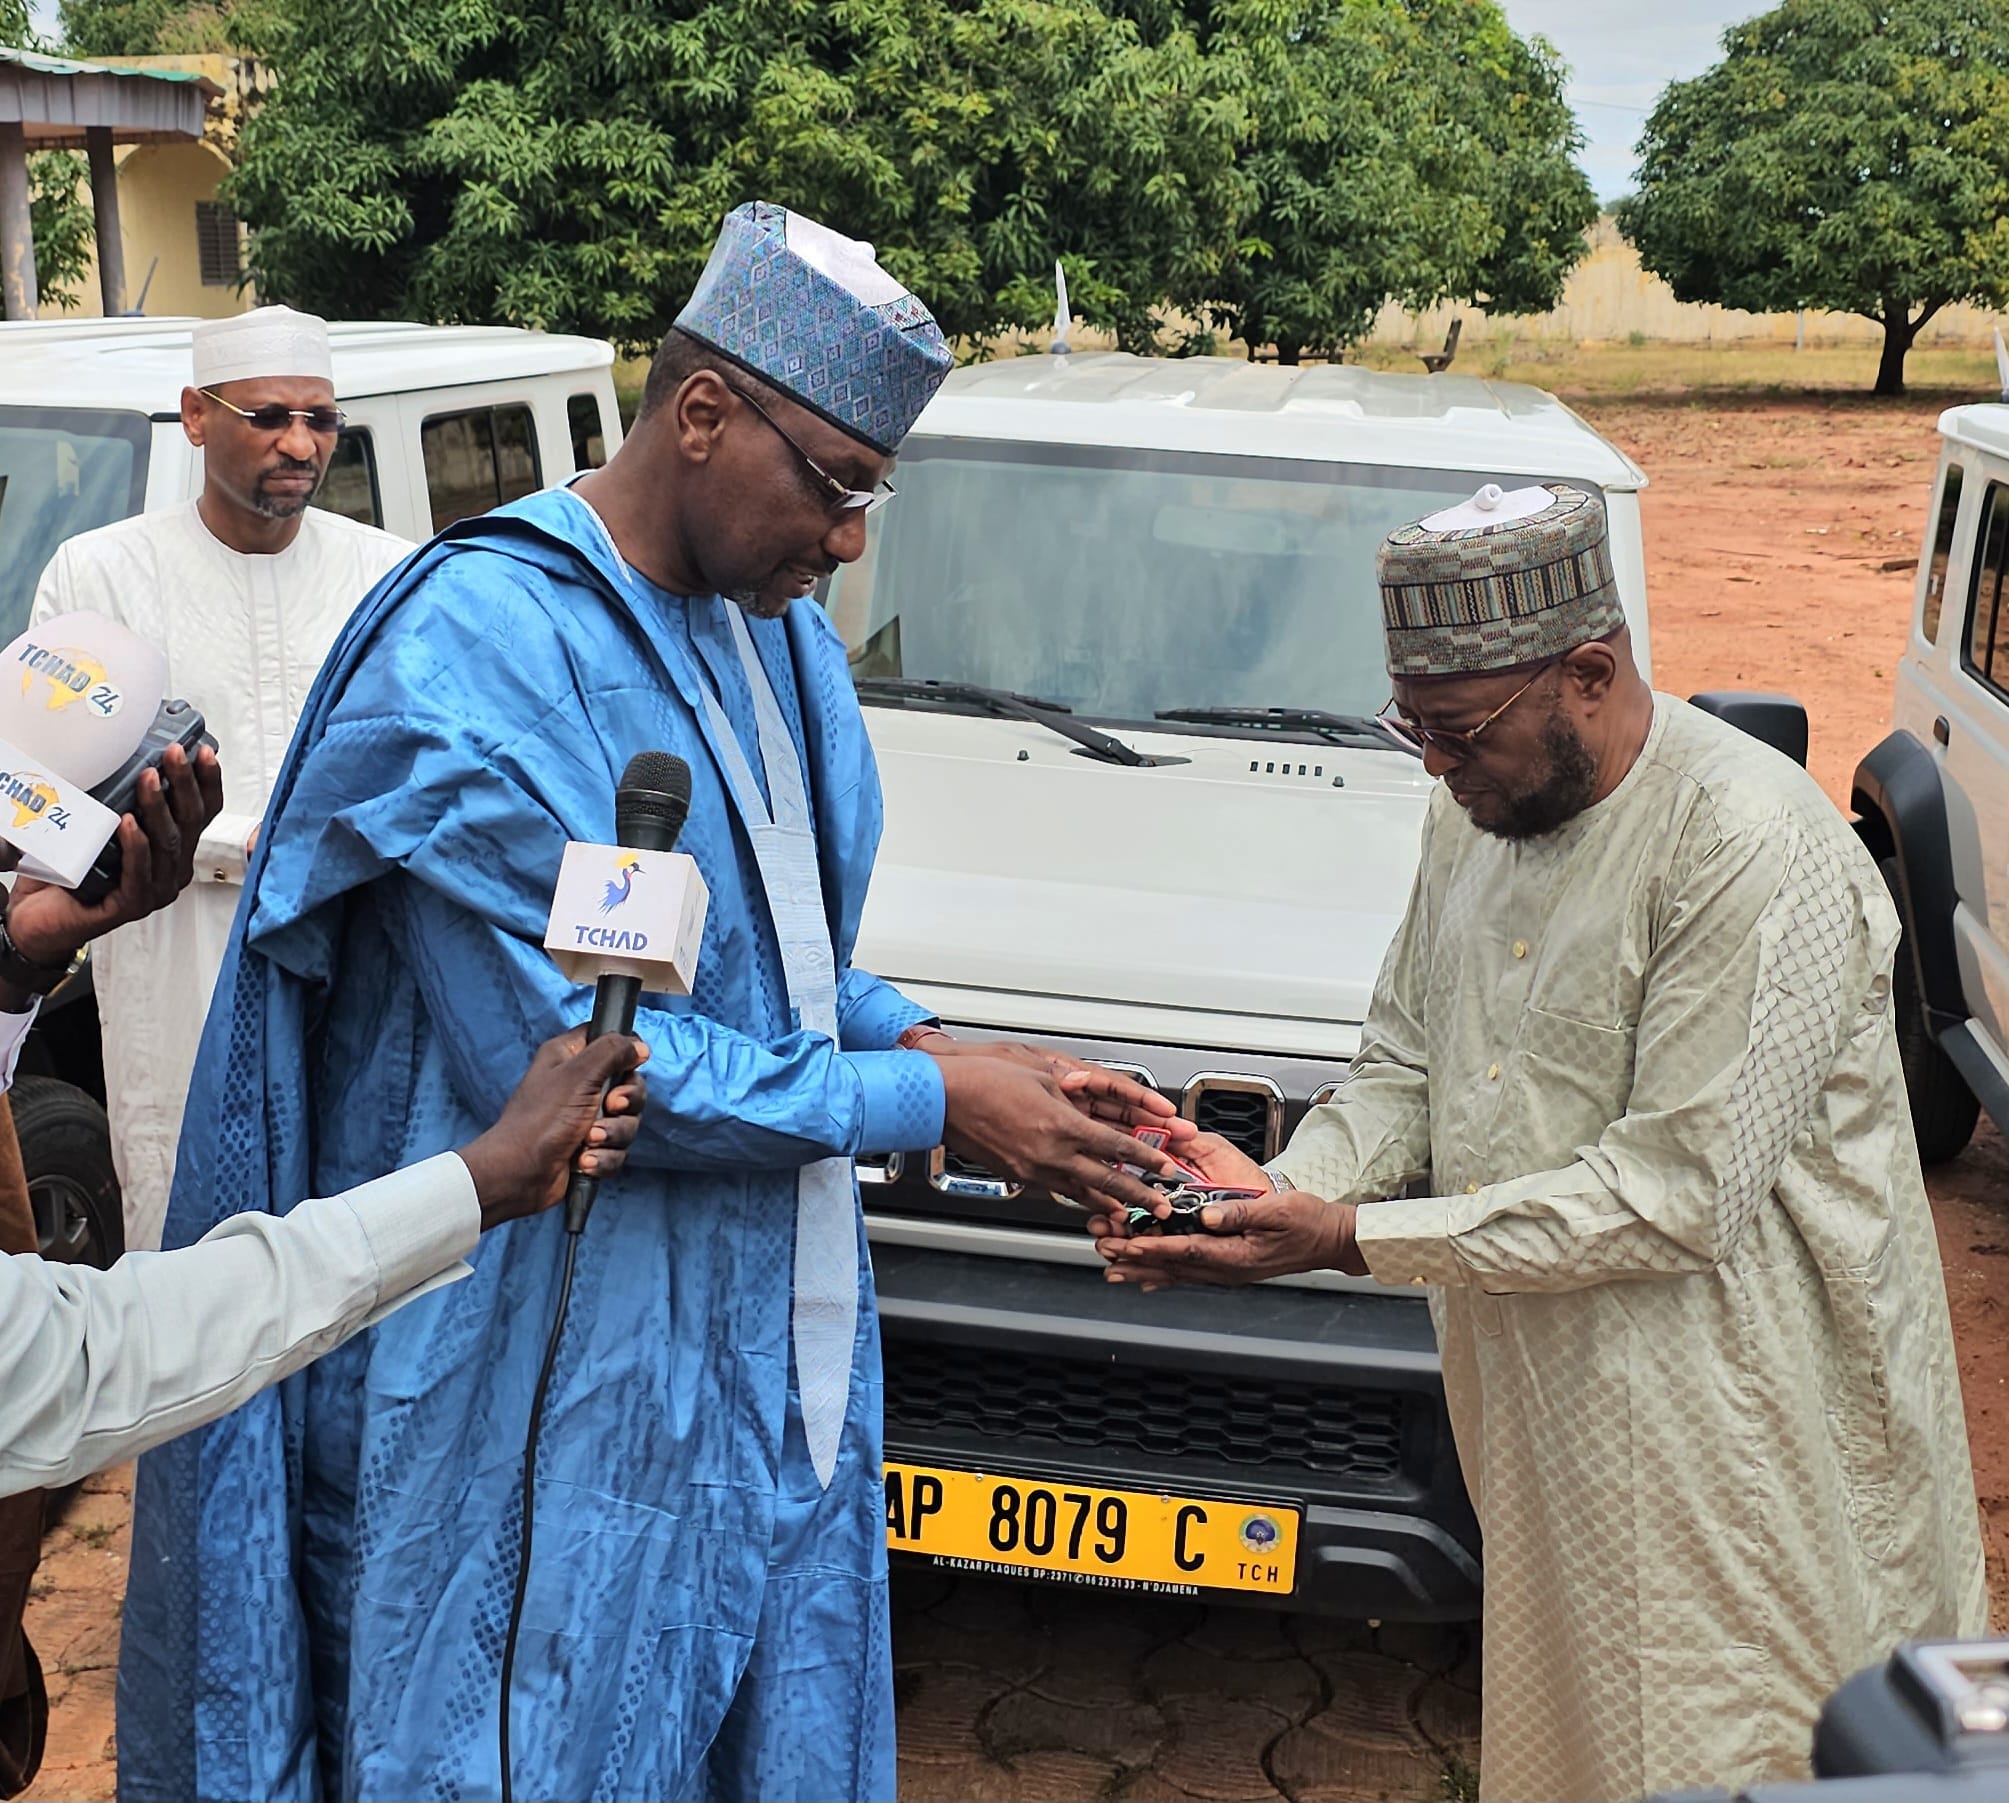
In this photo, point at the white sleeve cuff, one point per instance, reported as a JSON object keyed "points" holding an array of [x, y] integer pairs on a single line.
{"points": [[418, 1221], [14, 1030], [220, 854]]}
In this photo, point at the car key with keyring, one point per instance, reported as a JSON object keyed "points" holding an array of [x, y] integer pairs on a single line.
{"points": [[1187, 1190]]}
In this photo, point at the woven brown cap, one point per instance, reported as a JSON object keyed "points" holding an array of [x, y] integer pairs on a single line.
{"points": [[1493, 597]]}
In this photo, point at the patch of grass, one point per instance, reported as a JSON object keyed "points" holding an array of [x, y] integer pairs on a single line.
{"points": [[97, 1534], [1458, 1782], [1641, 367], [1638, 366]]}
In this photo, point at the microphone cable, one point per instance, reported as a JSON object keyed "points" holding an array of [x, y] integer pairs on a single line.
{"points": [[530, 1501], [650, 806]]}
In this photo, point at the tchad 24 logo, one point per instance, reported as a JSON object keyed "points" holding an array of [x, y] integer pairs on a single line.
{"points": [[31, 795], [71, 675], [1260, 1534], [616, 892]]}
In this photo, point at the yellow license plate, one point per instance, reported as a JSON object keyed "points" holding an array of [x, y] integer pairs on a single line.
{"points": [[1125, 1539]]}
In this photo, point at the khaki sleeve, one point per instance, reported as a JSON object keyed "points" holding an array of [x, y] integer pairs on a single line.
{"points": [[1751, 987], [1373, 1138]]}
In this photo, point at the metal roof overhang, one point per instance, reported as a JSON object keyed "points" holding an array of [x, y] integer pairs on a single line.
{"points": [[56, 101]]}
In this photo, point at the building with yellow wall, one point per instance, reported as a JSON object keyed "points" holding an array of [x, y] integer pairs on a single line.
{"points": [[171, 223]]}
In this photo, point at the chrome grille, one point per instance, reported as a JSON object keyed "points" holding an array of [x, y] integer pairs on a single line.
{"points": [[958, 1176], [1254, 1422], [1247, 1112]]}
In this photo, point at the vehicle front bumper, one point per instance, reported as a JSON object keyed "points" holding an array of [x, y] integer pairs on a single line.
{"points": [[1328, 1401]]}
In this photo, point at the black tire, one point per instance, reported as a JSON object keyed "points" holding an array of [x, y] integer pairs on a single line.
{"points": [[66, 1148], [1943, 1108]]}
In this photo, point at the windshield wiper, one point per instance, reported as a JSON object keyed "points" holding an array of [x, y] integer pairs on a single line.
{"points": [[1339, 729], [1053, 715]]}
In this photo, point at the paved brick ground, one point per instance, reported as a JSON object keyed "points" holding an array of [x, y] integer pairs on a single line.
{"points": [[1007, 1691], [1040, 1693]]}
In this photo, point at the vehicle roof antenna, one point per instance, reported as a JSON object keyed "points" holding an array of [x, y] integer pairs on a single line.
{"points": [[2002, 363], [1062, 319], [138, 309]]}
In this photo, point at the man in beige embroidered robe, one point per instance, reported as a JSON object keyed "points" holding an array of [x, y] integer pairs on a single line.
{"points": [[1631, 1063]]}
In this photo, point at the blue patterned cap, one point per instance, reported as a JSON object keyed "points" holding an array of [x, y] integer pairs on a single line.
{"points": [[836, 333]]}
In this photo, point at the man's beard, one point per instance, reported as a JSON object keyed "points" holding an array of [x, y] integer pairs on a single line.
{"points": [[1565, 790], [283, 507], [759, 602]]}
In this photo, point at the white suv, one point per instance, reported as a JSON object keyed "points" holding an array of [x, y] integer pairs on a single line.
{"points": [[1933, 798], [1119, 646]]}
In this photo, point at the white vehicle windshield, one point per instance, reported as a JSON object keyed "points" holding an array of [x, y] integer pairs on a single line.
{"points": [[62, 471], [1122, 583]]}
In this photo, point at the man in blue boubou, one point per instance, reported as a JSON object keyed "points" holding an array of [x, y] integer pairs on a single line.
{"points": [[321, 1582]]}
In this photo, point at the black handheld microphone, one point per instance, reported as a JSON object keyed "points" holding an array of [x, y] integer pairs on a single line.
{"points": [[650, 808]]}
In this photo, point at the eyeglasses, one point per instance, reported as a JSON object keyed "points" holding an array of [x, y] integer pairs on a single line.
{"points": [[1460, 740], [840, 498], [323, 422]]}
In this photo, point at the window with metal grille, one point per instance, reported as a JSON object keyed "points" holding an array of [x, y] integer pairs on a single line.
{"points": [[217, 246]]}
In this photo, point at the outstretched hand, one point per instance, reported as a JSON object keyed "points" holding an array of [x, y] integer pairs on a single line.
{"points": [[1247, 1240], [1057, 1133], [1099, 1092]]}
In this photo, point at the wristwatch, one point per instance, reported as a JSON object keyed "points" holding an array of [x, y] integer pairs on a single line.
{"points": [[23, 972]]}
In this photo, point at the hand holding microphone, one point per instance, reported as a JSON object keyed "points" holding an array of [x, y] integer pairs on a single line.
{"points": [[577, 1109], [46, 925], [630, 915]]}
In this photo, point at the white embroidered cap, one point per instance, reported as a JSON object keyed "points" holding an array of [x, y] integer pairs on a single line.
{"points": [[268, 341]]}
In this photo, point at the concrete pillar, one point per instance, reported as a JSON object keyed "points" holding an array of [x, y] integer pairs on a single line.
{"points": [[105, 208], [17, 237]]}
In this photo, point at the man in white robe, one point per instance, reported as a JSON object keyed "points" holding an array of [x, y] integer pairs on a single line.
{"points": [[244, 589], [1628, 1097]]}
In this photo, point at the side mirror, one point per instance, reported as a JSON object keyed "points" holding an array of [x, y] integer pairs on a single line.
{"points": [[1775, 720]]}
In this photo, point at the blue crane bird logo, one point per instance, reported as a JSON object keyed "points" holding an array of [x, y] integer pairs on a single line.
{"points": [[623, 885]]}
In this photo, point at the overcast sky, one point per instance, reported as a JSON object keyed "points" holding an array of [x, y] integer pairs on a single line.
{"points": [[1620, 52]]}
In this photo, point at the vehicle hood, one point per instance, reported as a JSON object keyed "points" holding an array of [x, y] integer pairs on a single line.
{"points": [[1256, 878]]}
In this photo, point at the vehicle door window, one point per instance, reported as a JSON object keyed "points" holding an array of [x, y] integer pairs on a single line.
{"points": [[589, 436], [62, 471], [1941, 549], [1987, 650], [350, 486], [478, 459]]}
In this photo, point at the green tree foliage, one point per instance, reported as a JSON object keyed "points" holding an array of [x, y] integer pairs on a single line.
{"points": [[146, 27], [565, 163], [1847, 154], [1414, 150], [17, 30], [59, 216], [1278, 166]]}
